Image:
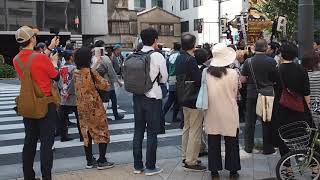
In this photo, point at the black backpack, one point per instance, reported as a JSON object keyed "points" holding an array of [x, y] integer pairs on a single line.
{"points": [[136, 71]]}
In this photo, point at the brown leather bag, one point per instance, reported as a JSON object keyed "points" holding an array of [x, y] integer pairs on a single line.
{"points": [[31, 102]]}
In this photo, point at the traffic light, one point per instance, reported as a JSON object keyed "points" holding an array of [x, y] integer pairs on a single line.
{"points": [[223, 25], [199, 28]]}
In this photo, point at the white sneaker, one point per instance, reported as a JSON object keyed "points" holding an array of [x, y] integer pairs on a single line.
{"points": [[138, 171]]}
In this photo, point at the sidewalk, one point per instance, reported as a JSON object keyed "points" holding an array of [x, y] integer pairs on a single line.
{"points": [[254, 166]]}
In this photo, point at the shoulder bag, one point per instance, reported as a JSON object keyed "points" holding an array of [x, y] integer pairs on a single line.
{"points": [[264, 105], [290, 99]]}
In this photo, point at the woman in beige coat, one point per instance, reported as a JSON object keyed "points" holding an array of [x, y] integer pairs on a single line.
{"points": [[222, 117]]}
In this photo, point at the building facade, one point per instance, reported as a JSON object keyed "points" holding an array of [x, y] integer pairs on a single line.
{"points": [[167, 24], [44, 15], [205, 13]]}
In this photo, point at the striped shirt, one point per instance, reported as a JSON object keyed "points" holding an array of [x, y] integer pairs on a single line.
{"points": [[314, 79]]}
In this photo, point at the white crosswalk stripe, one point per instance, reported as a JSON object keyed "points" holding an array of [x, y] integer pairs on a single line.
{"points": [[12, 128]]}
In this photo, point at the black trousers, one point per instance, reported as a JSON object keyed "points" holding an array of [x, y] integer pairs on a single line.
{"points": [[232, 159], [251, 118], [64, 119], [172, 101], [113, 98], [43, 130], [147, 115], [102, 150]]}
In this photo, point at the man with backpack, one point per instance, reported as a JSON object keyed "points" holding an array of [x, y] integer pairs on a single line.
{"points": [[188, 86], [172, 100], [143, 71], [37, 101]]}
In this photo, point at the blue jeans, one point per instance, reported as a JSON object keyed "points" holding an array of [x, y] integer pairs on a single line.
{"points": [[147, 115]]}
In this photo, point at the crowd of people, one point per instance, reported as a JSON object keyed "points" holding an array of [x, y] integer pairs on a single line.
{"points": [[214, 87]]}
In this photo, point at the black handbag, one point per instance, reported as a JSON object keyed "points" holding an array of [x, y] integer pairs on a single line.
{"points": [[186, 90]]}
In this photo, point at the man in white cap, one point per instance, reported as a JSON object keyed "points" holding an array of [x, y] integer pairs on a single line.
{"points": [[43, 71]]}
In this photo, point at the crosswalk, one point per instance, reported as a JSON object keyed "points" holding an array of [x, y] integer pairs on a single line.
{"points": [[12, 128]]}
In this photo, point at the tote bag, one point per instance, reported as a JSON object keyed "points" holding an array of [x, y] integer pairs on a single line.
{"points": [[202, 100], [264, 105]]}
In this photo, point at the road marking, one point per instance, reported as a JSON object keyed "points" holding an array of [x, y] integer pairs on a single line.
{"points": [[112, 127], [9, 94], [74, 143], [11, 112], [7, 98], [7, 107], [7, 102], [19, 118]]}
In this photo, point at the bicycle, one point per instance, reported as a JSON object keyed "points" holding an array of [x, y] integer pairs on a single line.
{"points": [[302, 162]]}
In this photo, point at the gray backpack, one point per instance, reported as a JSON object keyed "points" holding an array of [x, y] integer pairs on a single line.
{"points": [[136, 75]]}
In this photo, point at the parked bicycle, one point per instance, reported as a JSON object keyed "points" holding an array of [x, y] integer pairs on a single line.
{"points": [[302, 162]]}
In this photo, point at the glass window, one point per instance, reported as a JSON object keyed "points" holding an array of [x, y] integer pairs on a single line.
{"points": [[119, 27], [196, 24], [184, 4], [158, 3], [41, 14], [139, 4], [184, 26], [164, 29], [197, 3]]}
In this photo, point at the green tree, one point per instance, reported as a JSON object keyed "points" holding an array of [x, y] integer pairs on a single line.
{"points": [[289, 9]]}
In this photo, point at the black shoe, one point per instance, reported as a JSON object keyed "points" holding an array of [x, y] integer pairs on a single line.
{"points": [[105, 165], [184, 161], [215, 175], [234, 175], [92, 163], [269, 152], [248, 150], [162, 131], [194, 167], [204, 153], [119, 117], [109, 119], [64, 139]]}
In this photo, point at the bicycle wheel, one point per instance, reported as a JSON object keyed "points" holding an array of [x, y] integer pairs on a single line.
{"points": [[290, 166]]}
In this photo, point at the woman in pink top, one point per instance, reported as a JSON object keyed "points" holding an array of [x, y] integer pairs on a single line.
{"points": [[222, 117]]}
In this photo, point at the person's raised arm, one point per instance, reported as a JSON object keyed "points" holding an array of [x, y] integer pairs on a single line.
{"points": [[54, 43]]}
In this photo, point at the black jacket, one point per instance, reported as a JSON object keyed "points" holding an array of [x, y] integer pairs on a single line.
{"points": [[187, 64]]}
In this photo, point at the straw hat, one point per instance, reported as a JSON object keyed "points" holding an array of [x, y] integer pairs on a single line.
{"points": [[222, 55]]}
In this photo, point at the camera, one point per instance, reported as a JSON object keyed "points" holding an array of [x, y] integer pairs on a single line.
{"points": [[58, 50]]}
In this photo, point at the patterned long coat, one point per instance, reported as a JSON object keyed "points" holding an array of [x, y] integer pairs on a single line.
{"points": [[92, 115]]}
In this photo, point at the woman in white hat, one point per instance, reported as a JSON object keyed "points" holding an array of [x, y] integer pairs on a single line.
{"points": [[222, 117]]}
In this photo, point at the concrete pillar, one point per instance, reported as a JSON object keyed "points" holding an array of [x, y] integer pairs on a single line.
{"points": [[306, 27]]}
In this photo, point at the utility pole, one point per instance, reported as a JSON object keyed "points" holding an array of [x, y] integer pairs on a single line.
{"points": [[219, 16], [219, 19], [6, 26], [306, 27]]}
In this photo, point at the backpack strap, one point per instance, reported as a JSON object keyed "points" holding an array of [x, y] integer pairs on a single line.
{"points": [[21, 65]]}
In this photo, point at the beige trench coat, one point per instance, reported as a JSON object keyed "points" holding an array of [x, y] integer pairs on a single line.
{"points": [[222, 116]]}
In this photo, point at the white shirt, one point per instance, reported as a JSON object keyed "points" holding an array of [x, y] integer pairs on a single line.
{"points": [[157, 65]]}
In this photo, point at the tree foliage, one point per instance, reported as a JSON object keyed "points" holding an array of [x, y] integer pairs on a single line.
{"points": [[289, 9]]}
